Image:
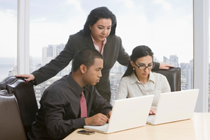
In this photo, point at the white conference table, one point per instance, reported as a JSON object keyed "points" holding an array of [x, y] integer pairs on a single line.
{"points": [[197, 128]]}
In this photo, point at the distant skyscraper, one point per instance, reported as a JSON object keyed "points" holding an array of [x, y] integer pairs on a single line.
{"points": [[115, 76], [155, 59], [174, 61], [166, 60], [187, 75], [186, 71], [190, 78], [183, 67], [13, 71], [50, 52]]}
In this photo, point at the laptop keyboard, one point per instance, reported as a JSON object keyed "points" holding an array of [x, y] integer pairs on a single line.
{"points": [[102, 128], [151, 119]]}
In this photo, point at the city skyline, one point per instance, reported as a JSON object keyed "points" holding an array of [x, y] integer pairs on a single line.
{"points": [[51, 51]]}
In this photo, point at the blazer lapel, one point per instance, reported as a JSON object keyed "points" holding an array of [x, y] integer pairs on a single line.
{"points": [[89, 42], [107, 50]]}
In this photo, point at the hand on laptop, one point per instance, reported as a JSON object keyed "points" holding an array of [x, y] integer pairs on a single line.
{"points": [[98, 119], [109, 115], [152, 111]]}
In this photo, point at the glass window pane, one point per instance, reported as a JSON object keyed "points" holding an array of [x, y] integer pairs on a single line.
{"points": [[166, 26], [8, 38], [209, 66]]}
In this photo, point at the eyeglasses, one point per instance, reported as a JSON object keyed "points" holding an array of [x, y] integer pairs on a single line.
{"points": [[143, 66]]}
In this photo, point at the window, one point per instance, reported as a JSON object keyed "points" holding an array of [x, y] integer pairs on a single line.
{"points": [[8, 35], [165, 26], [209, 70]]}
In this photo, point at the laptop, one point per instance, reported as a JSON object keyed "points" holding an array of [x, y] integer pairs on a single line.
{"points": [[174, 106], [126, 114]]}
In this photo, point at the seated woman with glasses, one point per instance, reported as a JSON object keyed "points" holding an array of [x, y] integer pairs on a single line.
{"points": [[139, 80]]}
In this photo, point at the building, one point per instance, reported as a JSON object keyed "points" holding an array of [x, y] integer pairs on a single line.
{"points": [[165, 60], [48, 53], [52, 51], [115, 75], [174, 60]]}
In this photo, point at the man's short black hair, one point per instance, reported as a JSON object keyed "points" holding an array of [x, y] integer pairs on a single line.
{"points": [[86, 57]]}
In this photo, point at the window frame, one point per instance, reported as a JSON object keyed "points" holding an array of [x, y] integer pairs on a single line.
{"points": [[200, 47]]}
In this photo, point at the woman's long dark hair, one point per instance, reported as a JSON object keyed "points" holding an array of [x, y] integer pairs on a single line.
{"points": [[99, 13], [138, 52]]}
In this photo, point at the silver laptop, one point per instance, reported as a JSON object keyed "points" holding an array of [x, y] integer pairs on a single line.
{"points": [[174, 106], [126, 114]]}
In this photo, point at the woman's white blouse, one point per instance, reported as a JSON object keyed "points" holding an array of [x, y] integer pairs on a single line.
{"points": [[130, 87]]}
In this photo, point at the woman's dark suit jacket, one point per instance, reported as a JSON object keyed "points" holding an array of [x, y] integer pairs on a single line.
{"points": [[113, 51]]}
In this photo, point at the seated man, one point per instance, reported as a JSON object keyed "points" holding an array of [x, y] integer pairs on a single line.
{"points": [[67, 103]]}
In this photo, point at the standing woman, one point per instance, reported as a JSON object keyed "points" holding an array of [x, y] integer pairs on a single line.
{"points": [[99, 34]]}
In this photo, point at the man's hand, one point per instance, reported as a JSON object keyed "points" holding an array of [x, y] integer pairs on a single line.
{"points": [[98, 119], [109, 115], [152, 111], [165, 66], [28, 77]]}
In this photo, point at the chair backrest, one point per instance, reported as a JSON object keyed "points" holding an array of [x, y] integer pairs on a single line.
{"points": [[11, 127], [173, 76], [26, 100], [8, 80], [24, 93]]}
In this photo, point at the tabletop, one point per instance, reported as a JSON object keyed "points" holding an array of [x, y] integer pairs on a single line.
{"points": [[197, 128]]}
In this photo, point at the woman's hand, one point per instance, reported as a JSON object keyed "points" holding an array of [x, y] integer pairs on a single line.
{"points": [[152, 111], [28, 77], [165, 66]]}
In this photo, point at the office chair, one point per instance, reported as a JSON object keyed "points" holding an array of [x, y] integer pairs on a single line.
{"points": [[11, 127], [24, 94], [173, 76]]}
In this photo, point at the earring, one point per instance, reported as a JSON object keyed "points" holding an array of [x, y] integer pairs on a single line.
{"points": [[133, 68]]}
